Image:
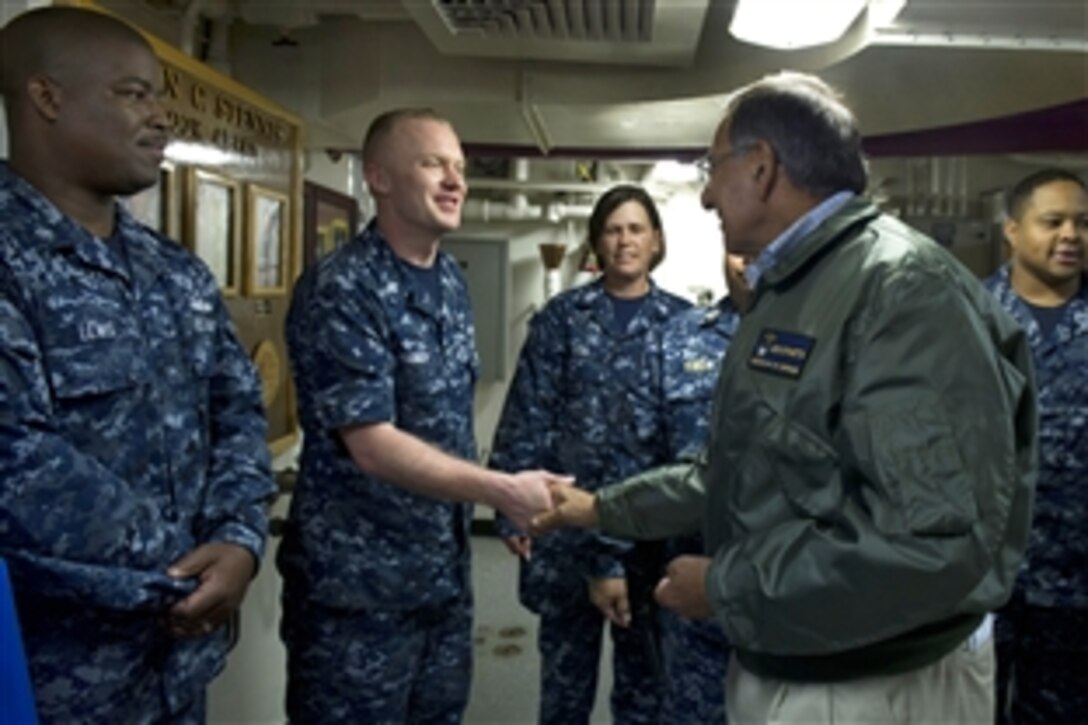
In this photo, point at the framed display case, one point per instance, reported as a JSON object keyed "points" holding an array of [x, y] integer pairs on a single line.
{"points": [[331, 219], [266, 260], [212, 227]]}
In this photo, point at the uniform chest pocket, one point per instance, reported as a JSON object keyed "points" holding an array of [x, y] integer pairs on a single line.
{"points": [[95, 369], [463, 361], [428, 365], [421, 371], [586, 370]]}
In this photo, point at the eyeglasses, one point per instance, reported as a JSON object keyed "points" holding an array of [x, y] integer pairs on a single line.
{"points": [[711, 161]]}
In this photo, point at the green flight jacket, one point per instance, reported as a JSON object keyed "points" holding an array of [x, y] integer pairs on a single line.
{"points": [[866, 488]]}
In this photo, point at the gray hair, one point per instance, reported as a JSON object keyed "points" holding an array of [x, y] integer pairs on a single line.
{"points": [[813, 134]]}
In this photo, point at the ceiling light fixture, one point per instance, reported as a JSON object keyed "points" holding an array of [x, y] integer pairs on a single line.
{"points": [[793, 24]]}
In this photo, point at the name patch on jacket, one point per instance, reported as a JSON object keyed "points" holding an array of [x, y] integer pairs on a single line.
{"points": [[781, 353]]}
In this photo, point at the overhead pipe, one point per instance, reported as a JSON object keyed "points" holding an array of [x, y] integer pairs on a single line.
{"points": [[934, 186], [518, 207], [532, 116], [951, 186], [908, 205], [520, 173], [963, 186], [489, 210], [553, 187]]}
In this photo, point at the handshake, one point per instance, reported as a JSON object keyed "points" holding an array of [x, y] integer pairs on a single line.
{"points": [[539, 501]]}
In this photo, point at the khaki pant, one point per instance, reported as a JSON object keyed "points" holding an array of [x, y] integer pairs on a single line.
{"points": [[956, 689]]}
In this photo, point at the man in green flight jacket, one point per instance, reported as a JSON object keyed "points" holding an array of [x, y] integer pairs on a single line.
{"points": [[865, 495]]}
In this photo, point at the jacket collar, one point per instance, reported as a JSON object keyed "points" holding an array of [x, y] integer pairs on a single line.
{"points": [[831, 231]]}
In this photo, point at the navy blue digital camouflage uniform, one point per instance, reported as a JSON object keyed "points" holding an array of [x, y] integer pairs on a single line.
{"points": [[696, 653], [131, 432], [377, 597], [1042, 634], [584, 402]]}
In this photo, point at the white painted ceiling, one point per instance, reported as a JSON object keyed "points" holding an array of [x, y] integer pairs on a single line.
{"points": [[619, 75]]}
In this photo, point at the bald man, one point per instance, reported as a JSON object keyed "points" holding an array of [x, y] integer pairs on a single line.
{"points": [[377, 588], [133, 464]]}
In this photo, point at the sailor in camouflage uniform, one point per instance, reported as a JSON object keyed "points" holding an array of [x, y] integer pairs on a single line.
{"points": [[695, 652], [133, 463], [377, 598], [584, 402], [1043, 632]]}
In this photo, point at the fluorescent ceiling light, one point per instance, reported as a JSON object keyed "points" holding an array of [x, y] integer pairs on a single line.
{"points": [[787, 24]]}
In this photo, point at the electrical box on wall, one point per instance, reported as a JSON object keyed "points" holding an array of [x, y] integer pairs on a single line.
{"points": [[485, 262]]}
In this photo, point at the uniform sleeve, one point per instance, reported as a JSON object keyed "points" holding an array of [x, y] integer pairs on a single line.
{"points": [[934, 471], [69, 528], [526, 433], [239, 480], [658, 504], [340, 345]]}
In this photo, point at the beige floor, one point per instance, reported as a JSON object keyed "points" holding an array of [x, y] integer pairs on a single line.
{"points": [[505, 687], [505, 684]]}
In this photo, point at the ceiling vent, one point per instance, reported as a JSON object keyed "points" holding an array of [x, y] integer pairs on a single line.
{"points": [[628, 21], [624, 32]]}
